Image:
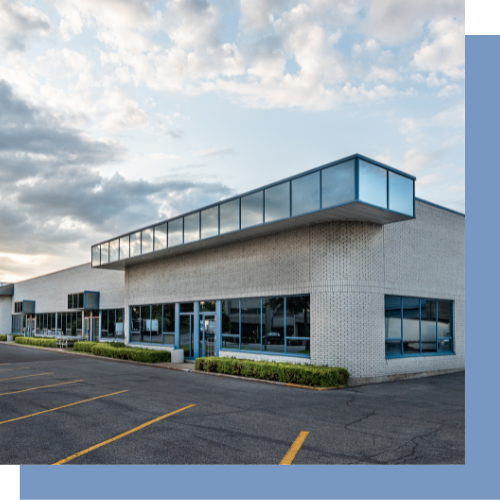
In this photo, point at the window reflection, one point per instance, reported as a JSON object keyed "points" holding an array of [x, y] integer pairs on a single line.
{"points": [[114, 247], [229, 216], [400, 194], [192, 227], [338, 184], [252, 209], [411, 325], [104, 253], [231, 324], [210, 222], [372, 184], [160, 237], [273, 325], [250, 324], [135, 244], [124, 247], [277, 202], [175, 232], [147, 240], [305, 194], [428, 315], [96, 255]]}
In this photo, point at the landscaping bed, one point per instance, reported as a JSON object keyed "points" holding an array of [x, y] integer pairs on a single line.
{"points": [[119, 350], [35, 341], [290, 373]]}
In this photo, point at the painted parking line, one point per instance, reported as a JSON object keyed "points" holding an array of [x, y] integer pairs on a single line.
{"points": [[135, 429], [294, 449], [41, 387], [12, 369], [61, 407], [26, 376]]}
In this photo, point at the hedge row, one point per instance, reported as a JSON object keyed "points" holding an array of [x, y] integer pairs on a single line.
{"points": [[84, 346], [311, 375], [35, 341], [130, 353], [3, 338]]}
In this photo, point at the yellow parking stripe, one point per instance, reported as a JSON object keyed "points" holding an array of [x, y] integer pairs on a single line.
{"points": [[41, 387], [12, 369], [294, 449], [80, 453], [26, 376], [60, 407]]}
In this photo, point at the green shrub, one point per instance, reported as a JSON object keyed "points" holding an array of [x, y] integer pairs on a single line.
{"points": [[84, 346], [290, 373], [3, 338], [35, 341], [130, 353]]}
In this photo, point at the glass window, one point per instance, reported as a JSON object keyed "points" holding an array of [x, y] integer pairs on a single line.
{"points": [[156, 332], [273, 325], [207, 306], [62, 319], [251, 209], [79, 329], [298, 316], [192, 227], [250, 324], [400, 194], [104, 324], [231, 324], [147, 240], [229, 216], [74, 321], [120, 324], [393, 347], [104, 253], [135, 244], [277, 202], [186, 329], [372, 184], [305, 194], [135, 324], [70, 301], [187, 307], [96, 255], [80, 300], [210, 222], [124, 247], [392, 317], [428, 325], [338, 184], [146, 324], [175, 232], [169, 324], [411, 325], [444, 318], [161, 237], [114, 247], [111, 324]]}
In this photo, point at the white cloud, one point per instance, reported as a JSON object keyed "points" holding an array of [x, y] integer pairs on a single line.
{"points": [[446, 52], [385, 74], [163, 156], [124, 113], [213, 152]]}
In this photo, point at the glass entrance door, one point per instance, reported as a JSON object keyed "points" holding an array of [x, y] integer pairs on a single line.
{"points": [[207, 335], [186, 334], [86, 328], [95, 329]]}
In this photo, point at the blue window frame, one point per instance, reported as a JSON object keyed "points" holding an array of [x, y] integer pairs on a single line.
{"points": [[153, 324], [278, 326], [416, 326]]}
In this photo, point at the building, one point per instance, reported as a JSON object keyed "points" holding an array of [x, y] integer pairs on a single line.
{"points": [[340, 265]]}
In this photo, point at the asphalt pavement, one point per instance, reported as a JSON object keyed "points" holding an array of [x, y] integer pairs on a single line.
{"points": [[59, 407]]}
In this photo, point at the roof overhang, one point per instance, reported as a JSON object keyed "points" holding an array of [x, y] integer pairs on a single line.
{"points": [[355, 211]]}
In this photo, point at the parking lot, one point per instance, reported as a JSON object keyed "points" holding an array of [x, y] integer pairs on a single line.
{"points": [[63, 408]]}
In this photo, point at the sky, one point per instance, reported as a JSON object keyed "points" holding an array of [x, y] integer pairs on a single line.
{"points": [[115, 114]]}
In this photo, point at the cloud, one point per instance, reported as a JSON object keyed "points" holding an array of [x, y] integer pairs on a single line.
{"points": [[18, 22], [124, 113], [214, 152], [163, 156], [446, 52]]}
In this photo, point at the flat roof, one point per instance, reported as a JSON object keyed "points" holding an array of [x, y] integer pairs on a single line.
{"points": [[355, 188]]}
